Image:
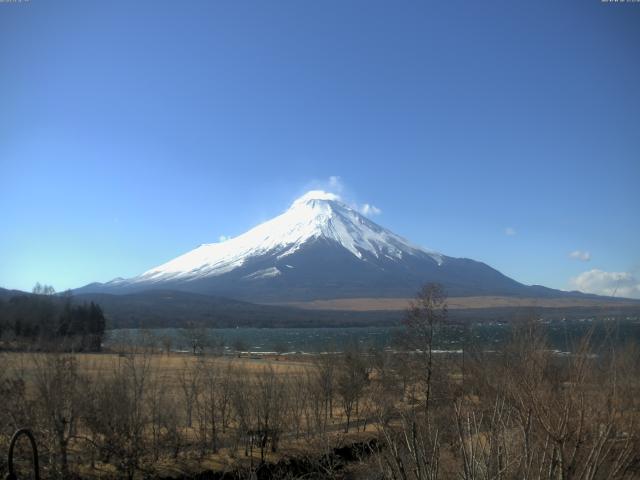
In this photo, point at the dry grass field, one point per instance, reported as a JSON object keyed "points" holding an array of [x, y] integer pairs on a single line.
{"points": [[454, 303], [193, 412], [96, 364], [520, 411]]}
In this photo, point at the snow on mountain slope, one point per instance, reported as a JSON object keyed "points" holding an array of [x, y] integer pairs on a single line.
{"points": [[315, 215], [319, 249]]}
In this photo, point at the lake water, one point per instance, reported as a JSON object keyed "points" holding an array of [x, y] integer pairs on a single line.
{"points": [[562, 335]]}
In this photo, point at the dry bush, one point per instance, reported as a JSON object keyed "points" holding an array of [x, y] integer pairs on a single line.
{"points": [[523, 412], [520, 412], [16, 410], [352, 379], [57, 404], [118, 416]]}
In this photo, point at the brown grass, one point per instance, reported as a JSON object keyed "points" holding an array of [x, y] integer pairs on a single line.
{"points": [[455, 303], [170, 365]]}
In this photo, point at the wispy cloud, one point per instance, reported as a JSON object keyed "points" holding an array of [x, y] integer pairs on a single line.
{"points": [[335, 184], [223, 238], [332, 184], [618, 284], [510, 231], [581, 255], [369, 210]]}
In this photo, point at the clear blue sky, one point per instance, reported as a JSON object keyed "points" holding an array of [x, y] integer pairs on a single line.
{"points": [[132, 131]]}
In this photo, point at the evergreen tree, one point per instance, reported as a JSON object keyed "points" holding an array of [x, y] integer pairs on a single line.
{"points": [[45, 320]]}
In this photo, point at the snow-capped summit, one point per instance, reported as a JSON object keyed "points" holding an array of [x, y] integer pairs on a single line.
{"points": [[319, 248], [315, 215], [312, 195]]}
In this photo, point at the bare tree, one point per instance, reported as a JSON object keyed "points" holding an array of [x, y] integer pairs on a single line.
{"points": [[17, 410], [189, 379], [118, 417], [552, 417], [270, 403], [325, 373], [353, 377], [425, 314], [298, 394], [215, 403], [413, 446], [58, 401]]}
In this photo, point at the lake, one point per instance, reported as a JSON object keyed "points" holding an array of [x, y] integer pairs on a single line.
{"points": [[563, 336]]}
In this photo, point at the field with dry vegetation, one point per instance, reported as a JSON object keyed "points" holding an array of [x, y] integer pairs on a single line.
{"points": [[521, 411]]}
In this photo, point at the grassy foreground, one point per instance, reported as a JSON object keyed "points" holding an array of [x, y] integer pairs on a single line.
{"points": [[519, 411]]}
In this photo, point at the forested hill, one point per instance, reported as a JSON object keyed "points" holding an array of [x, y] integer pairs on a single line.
{"points": [[166, 308], [43, 320]]}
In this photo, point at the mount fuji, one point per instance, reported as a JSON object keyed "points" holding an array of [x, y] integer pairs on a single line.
{"points": [[319, 249]]}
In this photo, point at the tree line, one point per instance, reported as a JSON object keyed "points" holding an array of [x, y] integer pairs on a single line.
{"points": [[44, 320]]}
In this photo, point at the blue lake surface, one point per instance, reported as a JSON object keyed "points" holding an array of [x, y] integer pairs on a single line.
{"points": [[563, 336]]}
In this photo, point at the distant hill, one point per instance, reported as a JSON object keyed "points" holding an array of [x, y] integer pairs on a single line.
{"points": [[163, 308], [5, 293], [166, 309]]}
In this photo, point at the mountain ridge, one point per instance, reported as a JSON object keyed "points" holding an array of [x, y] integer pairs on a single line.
{"points": [[320, 249]]}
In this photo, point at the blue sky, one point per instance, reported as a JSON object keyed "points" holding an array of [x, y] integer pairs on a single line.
{"points": [[132, 131]]}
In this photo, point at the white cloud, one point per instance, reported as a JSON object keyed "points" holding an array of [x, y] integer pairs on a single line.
{"points": [[332, 184], [580, 255], [618, 284], [369, 210], [510, 231], [335, 183], [223, 238]]}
